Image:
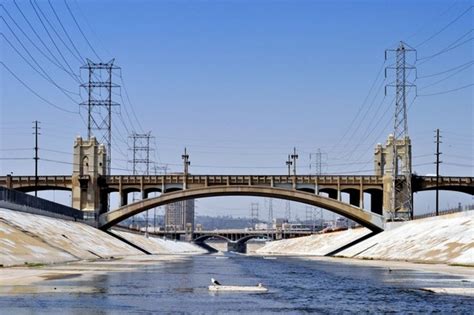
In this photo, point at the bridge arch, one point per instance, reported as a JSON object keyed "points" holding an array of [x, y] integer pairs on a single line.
{"points": [[203, 238], [247, 238], [370, 220]]}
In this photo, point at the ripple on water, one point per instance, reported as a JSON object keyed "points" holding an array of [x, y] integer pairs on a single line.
{"points": [[295, 287]]}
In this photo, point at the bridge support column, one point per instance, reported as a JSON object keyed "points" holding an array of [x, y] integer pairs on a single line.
{"points": [[396, 171], [9, 181], [188, 236], [88, 167], [339, 188], [237, 247]]}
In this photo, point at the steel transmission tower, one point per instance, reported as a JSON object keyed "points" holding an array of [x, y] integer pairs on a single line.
{"points": [[316, 162], [254, 213], [141, 155], [401, 198], [288, 211], [141, 152], [99, 91], [316, 167], [270, 213]]}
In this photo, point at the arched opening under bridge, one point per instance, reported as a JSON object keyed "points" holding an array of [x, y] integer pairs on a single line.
{"points": [[372, 221]]}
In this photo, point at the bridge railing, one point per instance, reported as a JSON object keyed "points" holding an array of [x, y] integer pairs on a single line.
{"points": [[211, 180], [15, 200]]}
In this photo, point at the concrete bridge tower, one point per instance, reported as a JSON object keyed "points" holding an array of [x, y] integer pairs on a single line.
{"points": [[90, 163], [400, 209]]}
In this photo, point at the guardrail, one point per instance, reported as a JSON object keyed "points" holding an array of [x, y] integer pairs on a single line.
{"points": [[19, 201], [443, 212]]}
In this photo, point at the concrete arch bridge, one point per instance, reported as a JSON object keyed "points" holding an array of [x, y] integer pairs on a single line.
{"points": [[371, 220]]}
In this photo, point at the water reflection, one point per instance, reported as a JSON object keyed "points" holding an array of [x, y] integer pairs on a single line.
{"points": [[295, 286]]}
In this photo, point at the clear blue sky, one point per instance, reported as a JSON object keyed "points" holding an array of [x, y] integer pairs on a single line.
{"points": [[240, 83]]}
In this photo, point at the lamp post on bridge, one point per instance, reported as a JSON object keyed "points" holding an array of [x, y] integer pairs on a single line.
{"points": [[294, 156], [289, 163], [186, 162]]}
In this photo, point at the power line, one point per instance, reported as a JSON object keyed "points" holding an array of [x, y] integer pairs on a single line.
{"points": [[34, 92], [129, 102], [448, 91], [44, 75], [80, 30], [469, 63], [443, 51], [379, 72], [79, 58], [50, 37], [57, 62], [366, 113], [65, 31], [54, 62], [445, 27], [445, 78]]}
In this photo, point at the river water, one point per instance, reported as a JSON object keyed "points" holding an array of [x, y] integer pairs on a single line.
{"points": [[296, 286]]}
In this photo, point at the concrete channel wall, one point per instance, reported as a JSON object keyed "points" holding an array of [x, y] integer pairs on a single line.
{"points": [[27, 238], [314, 245], [447, 239]]}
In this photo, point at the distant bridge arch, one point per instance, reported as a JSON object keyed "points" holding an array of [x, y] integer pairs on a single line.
{"points": [[203, 238], [372, 221]]}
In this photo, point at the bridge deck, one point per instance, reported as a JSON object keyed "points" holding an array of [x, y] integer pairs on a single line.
{"points": [[177, 181]]}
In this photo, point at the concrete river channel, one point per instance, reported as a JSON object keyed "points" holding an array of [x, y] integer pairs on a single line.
{"points": [[179, 285]]}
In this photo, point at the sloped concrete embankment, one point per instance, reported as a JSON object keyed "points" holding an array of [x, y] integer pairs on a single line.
{"points": [[33, 239], [314, 245], [155, 245], [447, 239]]}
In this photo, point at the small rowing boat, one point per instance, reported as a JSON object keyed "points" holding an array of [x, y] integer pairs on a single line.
{"points": [[216, 287], [237, 288]]}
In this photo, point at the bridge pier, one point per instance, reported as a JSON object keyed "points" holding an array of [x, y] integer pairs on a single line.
{"points": [[237, 247], [89, 165]]}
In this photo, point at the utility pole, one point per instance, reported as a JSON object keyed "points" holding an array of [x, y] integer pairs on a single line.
{"points": [[100, 83], [294, 157], [186, 162], [288, 164], [402, 196], [437, 169], [36, 158]]}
